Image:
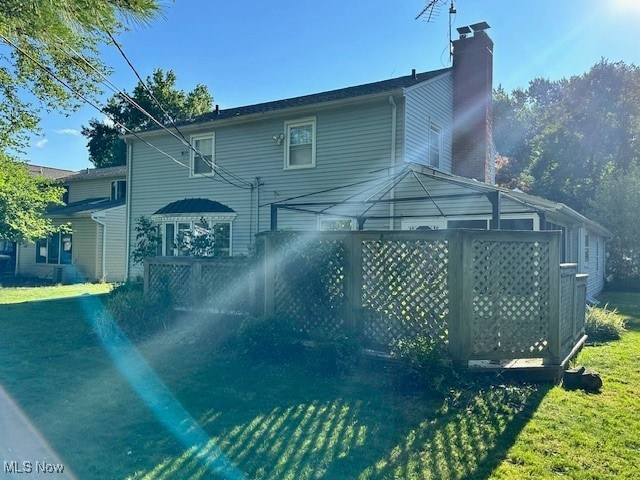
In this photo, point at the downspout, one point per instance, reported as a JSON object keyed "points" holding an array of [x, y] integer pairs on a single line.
{"points": [[394, 116], [128, 215], [18, 248], [104, 247]]}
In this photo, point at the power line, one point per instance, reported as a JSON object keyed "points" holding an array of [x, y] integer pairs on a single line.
{"points": [[137, 106], [164, 111], [49, 72]]}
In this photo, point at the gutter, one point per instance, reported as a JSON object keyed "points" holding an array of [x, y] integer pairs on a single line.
{"points": [[394, 122], [104, 245], [127, 218]]}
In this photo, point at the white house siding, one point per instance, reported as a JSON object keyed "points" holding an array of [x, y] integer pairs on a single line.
{"points": [[96, 188], [114, 220], [595, 265], [84, 247], [352, 141], [429, 102], [83, 259]]}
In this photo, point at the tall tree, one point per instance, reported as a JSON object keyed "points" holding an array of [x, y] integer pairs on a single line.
{"points": [[615, 205], [575, 131], [23, 200], [48, 39], [47, 44], [107, 150]]}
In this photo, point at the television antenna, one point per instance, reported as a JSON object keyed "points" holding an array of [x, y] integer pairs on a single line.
{"points": [[432, 10]]}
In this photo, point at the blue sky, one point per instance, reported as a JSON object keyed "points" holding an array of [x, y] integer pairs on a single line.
{"points": [[250, 51]]}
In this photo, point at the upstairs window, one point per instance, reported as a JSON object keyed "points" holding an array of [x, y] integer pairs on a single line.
{"points": [[300, 144], [118, 189], [201, 160], [65, 194], [435, 144]]}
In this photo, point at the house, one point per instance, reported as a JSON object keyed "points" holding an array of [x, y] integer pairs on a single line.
{"points": [[8, 250], [357, 157], [92, 249]]}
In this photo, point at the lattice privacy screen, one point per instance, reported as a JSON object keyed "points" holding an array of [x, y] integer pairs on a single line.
{"points": [[404, 290], [510, 298], [310, 283]]}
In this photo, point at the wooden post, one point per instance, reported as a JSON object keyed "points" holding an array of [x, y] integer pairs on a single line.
{"points": [[353, 247], [554, 301], [458, 337]]}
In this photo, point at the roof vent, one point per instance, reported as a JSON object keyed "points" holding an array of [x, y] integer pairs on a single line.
{"points": [[413, 73]]}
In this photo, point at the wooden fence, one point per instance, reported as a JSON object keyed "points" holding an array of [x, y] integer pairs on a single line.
{"points": [[487, 295]]}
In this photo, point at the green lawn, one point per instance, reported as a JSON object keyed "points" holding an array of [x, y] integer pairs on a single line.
{"points": [[172, 412]]}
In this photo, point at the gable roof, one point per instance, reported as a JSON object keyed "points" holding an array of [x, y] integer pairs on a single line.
{"points": [[49, 172], [95, 173], [393, 84], [89, 205], [194, 205]]}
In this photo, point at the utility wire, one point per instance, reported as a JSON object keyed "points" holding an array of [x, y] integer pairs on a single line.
{"points": [[166, 114], [49, 72], [137, 106]]}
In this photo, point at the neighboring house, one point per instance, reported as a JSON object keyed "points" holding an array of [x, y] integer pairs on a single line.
{"points": [[92, 250], [261, 166], [8, 250]]}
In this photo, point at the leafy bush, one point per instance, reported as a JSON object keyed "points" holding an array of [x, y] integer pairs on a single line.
{"points": [[602, 324], [419, 362], [138, 314], [333, 353], [270, 338]]}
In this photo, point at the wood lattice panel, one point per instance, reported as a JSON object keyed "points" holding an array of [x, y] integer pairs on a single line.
{"points": [[510, 298], [172, 278], [566, 309], [228, 286], [404, 290], [310, 284]]}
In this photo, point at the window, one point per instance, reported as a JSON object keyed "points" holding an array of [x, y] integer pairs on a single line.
{"points": [[335, 224], [65, 194], [202, 162], [435, 141], [56, 250], [476, 224], [181, 237], [300, 144], [118, 189], [586, 248]]}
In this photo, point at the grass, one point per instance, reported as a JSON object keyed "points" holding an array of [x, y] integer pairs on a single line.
{"points": [[275, 421], [17, 294]]}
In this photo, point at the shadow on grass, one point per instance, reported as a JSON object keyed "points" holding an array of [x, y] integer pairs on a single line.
{"points": [[272, 421], [627, 304]]}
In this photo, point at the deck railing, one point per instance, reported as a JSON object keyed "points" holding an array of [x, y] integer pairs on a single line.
{"points": [[487, 295]]}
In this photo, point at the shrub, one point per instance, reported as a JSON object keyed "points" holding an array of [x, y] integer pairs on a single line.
{"points": [[602, 324], [270, 338], [138, 314], [333, 353], [419, 362]]}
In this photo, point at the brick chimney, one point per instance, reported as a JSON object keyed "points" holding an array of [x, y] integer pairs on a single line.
{"points": [[472, 104]]}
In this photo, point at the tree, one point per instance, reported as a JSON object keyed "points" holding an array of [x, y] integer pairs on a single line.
{"points": [[107, 150], [48, 39], [616, 205], [23, 200], [570, 133]]}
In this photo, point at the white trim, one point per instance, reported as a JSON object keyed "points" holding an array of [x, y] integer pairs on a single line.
{"points": [[175, 219], [436, 128], [287, 148], [127, 218], [192, 140]]}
